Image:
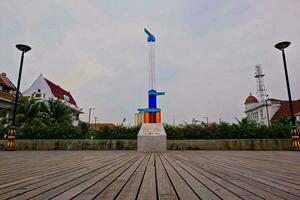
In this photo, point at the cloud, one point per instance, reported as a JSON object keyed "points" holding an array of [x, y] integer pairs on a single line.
{"points": [[205, 52]]}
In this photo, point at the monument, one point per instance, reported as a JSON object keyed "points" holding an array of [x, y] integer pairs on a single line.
{"points": [[152, 136]]}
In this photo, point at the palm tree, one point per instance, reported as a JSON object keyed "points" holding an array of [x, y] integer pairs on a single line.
{"points": [[29, 110], [57, 112]]}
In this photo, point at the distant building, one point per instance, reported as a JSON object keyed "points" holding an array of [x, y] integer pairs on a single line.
{"points": [[138, 118], [44, 89], [7, 93], [97, 126], [274, 108]]}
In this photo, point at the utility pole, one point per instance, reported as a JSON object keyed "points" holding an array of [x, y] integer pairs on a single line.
{"points": [[90, 110], [95, 122], [206, 120], [268, 118]]}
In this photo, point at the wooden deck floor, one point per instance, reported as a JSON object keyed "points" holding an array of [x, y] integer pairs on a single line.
{"points": [[131, 175]]}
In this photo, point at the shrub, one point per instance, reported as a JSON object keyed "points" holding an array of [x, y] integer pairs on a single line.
{"points": [[185, 131]]}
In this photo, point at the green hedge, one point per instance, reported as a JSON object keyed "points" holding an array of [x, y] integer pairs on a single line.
{"points": [[228, 131], [221, 131]]}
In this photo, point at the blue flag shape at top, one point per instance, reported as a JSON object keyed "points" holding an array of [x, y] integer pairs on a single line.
{"points": [[151, 37]]}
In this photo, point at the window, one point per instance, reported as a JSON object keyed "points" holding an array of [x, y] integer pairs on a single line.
{"points": [[39, 90], [248, 116], [261, 114], [255, 116], [44, 95], [66, 98], [1, 88], [37, 95]]}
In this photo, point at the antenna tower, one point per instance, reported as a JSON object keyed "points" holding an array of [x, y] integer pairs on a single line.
{"points": [[261, 89]]}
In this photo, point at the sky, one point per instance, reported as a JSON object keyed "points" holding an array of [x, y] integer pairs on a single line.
{"points": [[206, 51]]}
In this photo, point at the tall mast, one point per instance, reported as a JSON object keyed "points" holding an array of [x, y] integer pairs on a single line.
{"points": [[152, 113], [151, 60], [261, 89]]}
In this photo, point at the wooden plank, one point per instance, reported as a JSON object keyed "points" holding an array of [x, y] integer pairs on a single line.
{"points": [[20, 188], [130, 191], [240, 182], [64, 184], [273, 187], [183, 191], [200, 189], [53, 175], [128, 175], [259, 188], [112, 190], [218, 189], [242, 193], [97, 184], [165, 189], [38, 169], [148, 187]]}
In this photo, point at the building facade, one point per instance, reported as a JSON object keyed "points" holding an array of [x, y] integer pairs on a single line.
{"points": [[97, 126], [44, 89], [138, 118], [7, 94], [270, 110]]}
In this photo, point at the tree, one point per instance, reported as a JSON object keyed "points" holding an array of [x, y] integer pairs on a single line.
{"points": [[29, 111], [57, 112]]}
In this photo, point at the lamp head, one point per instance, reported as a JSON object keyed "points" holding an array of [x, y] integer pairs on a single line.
{"points": [[282, 45], [24, 48]]}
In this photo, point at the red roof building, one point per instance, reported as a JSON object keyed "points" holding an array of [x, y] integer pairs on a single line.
{"points": [[60, 93], [44, 89], [284, 110], [97, 126], [251, 99], [5, 82], [7, 91], [270, 110]]}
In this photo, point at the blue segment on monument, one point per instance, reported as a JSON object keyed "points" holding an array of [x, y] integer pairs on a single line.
{"points": [[151, 37], [153, 92], [152, 99], [153, 110]]}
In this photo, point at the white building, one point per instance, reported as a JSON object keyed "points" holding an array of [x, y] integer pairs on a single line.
{"points": [[138, 118], [270, 110], [43, 89]]}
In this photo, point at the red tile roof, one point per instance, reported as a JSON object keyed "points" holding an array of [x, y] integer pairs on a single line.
{"points": [[4, 81], [59, 92], [97, 126], [284, 110], [251, 99]]}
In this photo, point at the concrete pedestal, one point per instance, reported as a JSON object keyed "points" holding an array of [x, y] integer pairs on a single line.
{"points": [[152, 138]]}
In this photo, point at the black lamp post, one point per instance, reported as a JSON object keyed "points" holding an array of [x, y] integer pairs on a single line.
{"points": [[294, 132], [12, 131]]}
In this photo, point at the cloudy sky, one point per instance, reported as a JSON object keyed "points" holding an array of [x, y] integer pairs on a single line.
{"points": [[206, 51]]}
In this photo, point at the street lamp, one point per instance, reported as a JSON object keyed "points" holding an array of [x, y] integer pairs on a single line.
{"points": [[10, 145], [294, 132], [90, 110]]}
